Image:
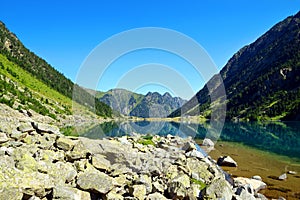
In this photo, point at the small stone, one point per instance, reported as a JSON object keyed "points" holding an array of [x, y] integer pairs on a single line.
{"points": [[208, 142], [226, 161], [34, 198], [292, 172], [158, 187], [112, 195], [256, 177], [156, 196], [3, 138], [281, 198], [282, 177], [195, 153]]}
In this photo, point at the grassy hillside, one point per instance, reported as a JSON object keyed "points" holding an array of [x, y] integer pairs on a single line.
{"points": [[20, 90], [12, 48]]}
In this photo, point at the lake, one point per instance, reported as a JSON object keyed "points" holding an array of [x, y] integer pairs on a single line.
{"points": [[267, 149]]}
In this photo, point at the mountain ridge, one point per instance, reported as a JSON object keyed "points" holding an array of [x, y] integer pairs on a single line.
{"points": [[261, 80], [133, 104]]}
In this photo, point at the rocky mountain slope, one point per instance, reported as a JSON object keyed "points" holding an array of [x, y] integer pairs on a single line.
{"points": [[129, 103], [25, 76], [262, 80]]}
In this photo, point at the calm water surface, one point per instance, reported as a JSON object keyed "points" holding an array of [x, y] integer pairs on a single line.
{"points": [[282, 138]]}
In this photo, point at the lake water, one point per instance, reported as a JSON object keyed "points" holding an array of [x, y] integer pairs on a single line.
{"points": [[282, 138], [265, 149]]}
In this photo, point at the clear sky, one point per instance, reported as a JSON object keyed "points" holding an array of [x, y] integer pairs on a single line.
{"points": [[65, 32]]}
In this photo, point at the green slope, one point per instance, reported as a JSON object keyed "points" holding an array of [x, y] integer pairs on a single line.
{"points": [[262, 80], [19, 89], [12, 48]]}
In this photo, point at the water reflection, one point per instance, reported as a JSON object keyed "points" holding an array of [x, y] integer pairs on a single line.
{"points": [[281, 138]]}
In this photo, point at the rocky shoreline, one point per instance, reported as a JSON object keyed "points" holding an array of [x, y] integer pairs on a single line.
{"points": [[38, 162]]}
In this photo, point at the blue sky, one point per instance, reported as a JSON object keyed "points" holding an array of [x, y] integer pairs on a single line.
{"points": [[65, 32]]}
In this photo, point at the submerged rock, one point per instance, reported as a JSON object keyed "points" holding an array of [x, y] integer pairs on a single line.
{"points": [[208, 142], [226, 161], [282, 177]]}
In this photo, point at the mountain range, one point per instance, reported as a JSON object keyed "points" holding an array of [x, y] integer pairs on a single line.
{"points": [[129, 103], [262, 80]]}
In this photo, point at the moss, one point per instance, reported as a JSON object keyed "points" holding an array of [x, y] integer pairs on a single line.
{"points": [[148, 137], [146, 142], [199, 183]]}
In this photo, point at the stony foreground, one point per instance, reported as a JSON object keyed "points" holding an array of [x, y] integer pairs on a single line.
{"points": [[37, 162]]}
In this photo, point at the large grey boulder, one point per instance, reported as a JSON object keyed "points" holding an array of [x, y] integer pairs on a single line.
{"points": [[94, 180], [47, 128], [26, 127], [218, 189], [256, 184]]}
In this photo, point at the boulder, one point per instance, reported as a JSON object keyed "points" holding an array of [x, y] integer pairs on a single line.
{"points": [[100, 162], [282, 177], [68, 193], [94, 180], [226, 161], [156, 196], [65, 143], [256, 184], [208, 142], [195, 153], [146, 180], [245, 192], [218, 189], [177, 188], [189, 146], [112, 195], [26, 127], [47, 128], [3, 138], [139, 192], [17, 135], [11, 193], [292, 172]]}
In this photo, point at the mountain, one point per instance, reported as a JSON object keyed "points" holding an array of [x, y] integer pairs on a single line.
{"points": [[133, 104], [156, 105], [29, 82], [262, 80], [120, 100]]}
